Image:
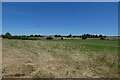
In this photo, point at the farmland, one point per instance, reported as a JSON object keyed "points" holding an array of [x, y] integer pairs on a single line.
{"points": [[59, 58]]}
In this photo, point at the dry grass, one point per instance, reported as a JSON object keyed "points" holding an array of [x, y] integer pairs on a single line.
{"points": [[59, 59]]}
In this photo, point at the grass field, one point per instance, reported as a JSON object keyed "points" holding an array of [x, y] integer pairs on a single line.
{"points": [[60, 58]]}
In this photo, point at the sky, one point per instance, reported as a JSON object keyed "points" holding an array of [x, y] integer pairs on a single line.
{"points": [[0, 18], [49, 18]]}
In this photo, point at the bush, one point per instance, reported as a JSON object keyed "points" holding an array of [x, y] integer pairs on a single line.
{"points": [[102, 38], [62, 38], [84, 37], [49, 38]]}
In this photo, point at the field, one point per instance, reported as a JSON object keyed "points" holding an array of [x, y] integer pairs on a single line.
{"points": [[60, 58]]}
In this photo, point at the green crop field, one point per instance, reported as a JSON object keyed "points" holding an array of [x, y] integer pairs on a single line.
{"points": [[60, 58]]}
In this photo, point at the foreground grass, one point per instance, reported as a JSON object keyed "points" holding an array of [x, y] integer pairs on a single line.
{"points": [[60, 58]]}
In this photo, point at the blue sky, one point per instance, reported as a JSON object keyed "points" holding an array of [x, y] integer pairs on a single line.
{"points": [[49, 18], [0, 18]]}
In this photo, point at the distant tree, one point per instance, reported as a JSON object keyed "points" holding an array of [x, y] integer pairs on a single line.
{"points": [[80, 36], [100, 36], [36, 35], [31, 35], [69, 36], [104, 36], [7, 35], [55, 35], [3, 36], [23, 35], [96, 36], [88, 35], [59, 35], [39, 35], [74, 36], [16, 37]]}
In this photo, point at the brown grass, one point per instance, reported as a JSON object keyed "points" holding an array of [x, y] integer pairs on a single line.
{"points": [[47, 59]]}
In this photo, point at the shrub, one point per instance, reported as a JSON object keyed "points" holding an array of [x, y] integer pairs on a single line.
{"points": [[84, 37], [62, 38], [102, 38], [49, 38]]}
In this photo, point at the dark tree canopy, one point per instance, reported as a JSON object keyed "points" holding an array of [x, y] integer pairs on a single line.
{"points": [[34, 37], [7, 34]]}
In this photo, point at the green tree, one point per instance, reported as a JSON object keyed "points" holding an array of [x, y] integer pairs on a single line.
{"points": [[8, 35]]}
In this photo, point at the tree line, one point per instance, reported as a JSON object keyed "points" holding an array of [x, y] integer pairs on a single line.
{"points": [[32, 37]]}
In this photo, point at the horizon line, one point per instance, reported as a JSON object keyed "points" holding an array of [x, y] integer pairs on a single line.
{"points": [[58, 34]]}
